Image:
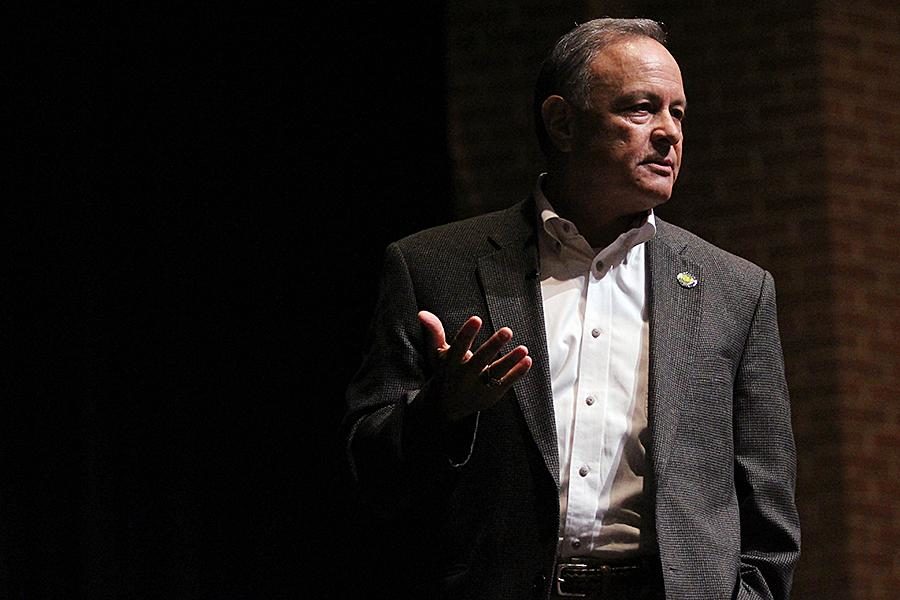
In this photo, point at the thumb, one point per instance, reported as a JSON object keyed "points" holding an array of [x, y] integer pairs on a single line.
{"points": [[435, 329]]}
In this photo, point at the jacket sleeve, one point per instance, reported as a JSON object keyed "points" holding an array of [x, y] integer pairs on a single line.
{"points": [[765, 460], [395, 445]]}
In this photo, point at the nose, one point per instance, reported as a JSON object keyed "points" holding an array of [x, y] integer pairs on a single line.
{"points": [[667, 130]]}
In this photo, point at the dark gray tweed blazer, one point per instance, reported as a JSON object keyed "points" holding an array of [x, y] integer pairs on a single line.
{"points": [[721, 447]]}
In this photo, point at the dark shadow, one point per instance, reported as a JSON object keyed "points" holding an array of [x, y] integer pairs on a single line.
{"points": [[206, 196]]}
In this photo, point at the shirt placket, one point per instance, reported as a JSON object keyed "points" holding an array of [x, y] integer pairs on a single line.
{"points": [[588, 471]]}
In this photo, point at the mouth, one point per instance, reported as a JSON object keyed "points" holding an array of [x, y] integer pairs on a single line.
{"points": [[662, 166]]}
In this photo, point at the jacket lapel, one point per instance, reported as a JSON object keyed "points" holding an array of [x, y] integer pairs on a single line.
{"points": [[675, 311], [513, 295]]}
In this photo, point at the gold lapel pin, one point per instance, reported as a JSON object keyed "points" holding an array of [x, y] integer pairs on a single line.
{"points": [[686, 280]]}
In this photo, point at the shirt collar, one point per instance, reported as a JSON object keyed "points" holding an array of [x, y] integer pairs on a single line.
{"points": [[561, 233]]}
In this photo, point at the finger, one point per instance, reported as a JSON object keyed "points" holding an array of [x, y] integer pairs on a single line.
{"points": [[512, 375], [502, 367], [488, 350], [462, 341], [517, 371], [435, 329]]}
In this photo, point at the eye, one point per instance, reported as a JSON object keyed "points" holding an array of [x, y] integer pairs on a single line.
{"points": [[677, 113], [640, 111], [642, 107]]}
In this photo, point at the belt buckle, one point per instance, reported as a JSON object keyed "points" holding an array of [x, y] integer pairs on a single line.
{"points": [[560, 579]]}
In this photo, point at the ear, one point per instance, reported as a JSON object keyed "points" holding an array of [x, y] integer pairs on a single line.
{"points": [[559, 121]]}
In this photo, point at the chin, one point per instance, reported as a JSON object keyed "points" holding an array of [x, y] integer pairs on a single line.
{"points": [[653, 197], [654, 190]]}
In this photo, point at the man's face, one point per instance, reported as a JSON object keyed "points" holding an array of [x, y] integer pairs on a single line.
{"points": [[629, 142]]}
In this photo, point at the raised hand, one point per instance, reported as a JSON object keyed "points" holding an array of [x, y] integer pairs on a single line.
{"points": [[468, 381]]}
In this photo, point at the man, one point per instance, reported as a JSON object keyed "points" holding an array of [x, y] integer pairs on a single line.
{"points": [[571, 397]]}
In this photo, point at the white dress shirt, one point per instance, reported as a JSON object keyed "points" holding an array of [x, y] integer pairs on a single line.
{"points": [[598, 340]]}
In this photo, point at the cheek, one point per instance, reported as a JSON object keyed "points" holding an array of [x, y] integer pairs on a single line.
{"points": [[628, 149], [640, 144], [677, 151]]}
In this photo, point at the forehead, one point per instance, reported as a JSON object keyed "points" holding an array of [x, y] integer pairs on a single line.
{"points": [[635, 63]]}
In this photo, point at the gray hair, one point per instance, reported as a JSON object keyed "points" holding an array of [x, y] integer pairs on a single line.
{"points": [[566, 70]]}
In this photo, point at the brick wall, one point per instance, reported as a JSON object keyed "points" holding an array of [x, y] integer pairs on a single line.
{"points": [[860, 43], [790, 161]]}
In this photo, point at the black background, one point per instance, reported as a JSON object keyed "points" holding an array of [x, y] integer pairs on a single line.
{"points": [[200, 200]]}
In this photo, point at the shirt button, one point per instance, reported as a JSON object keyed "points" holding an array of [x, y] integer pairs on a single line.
{"points": [[589, 400], [584, 470], [595, 332], [576, 543]]}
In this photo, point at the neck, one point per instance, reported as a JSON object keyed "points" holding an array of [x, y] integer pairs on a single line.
{"points": [[594, 214]]}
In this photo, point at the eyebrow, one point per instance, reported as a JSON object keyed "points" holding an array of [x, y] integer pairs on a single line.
{"points": [[632, 96]]}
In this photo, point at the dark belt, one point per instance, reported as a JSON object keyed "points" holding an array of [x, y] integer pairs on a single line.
{"points": [[580, 577]]}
